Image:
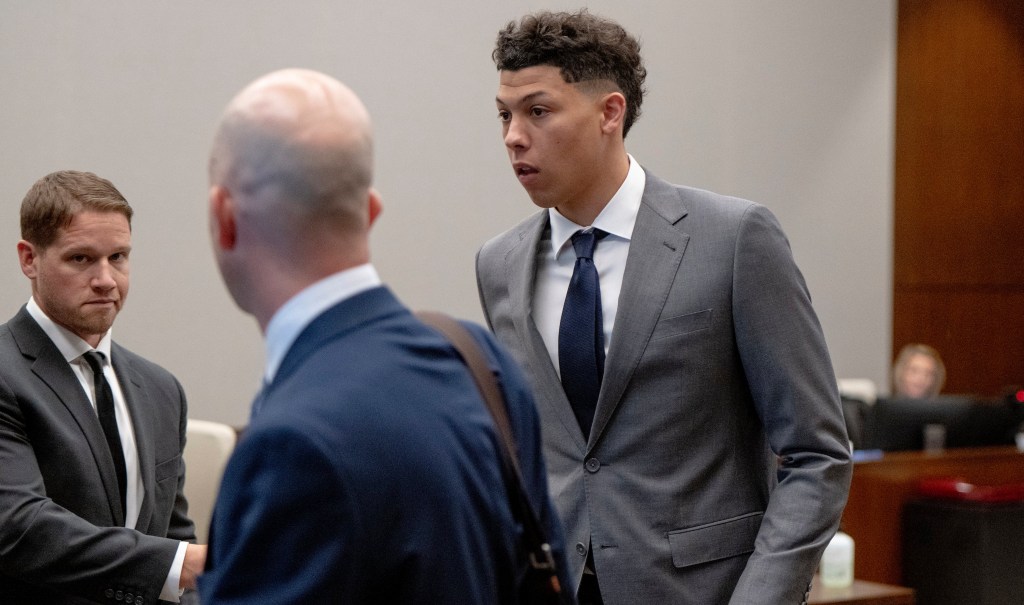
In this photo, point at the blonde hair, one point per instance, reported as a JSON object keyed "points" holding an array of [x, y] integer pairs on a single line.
{"points": [[909, 351]]}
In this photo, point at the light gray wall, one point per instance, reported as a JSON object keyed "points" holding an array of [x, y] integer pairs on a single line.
{"points": [[789, 103]]}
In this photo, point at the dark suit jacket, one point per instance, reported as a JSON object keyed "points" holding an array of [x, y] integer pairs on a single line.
{"points": [[371, 473], [62, 539], [717, 365]]}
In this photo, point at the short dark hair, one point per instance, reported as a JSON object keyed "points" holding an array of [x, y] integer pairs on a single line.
{"points": [[54, 200], [584, 47]]}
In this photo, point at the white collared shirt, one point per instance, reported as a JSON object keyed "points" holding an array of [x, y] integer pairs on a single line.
{"points": [[292, 318], [72, 348], [556, 259]]}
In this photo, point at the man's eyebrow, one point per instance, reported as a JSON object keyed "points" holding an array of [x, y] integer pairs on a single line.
{"points": [[533, 96]]}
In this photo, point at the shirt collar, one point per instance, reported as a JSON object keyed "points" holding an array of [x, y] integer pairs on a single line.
{"points": [[617, 218], [70, 345], [301, 309]]}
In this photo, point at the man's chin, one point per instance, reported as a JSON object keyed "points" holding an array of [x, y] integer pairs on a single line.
{"points": [[541, 201], [100, 323]]}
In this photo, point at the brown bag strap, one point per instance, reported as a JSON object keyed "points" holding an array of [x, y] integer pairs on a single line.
{"points": [[541, 557], [474, 358]]}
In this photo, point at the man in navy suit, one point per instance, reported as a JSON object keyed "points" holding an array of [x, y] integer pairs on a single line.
{"points": [[90, 511], [370, 470]]}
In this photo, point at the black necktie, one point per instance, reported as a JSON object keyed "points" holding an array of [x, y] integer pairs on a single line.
{"points": [[581, 333], [105, 410]]}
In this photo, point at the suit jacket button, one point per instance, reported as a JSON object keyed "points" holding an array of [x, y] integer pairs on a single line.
{"points": [[581, 550], [119, 595], [592, 465], [129, 597], [109, 593]]}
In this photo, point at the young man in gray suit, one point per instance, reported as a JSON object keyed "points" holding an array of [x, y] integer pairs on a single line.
{"points": [[695, 441], [91, 435]]}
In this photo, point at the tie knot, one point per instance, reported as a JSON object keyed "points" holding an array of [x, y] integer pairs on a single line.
{"points": [[584, 242], [95, 361]]}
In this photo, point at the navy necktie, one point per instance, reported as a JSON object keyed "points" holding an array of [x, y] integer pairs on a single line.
{"points": [[581, 333], [108, 420]]}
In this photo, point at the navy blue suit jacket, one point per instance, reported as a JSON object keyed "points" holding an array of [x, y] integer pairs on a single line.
{"points": [[371, 473]]}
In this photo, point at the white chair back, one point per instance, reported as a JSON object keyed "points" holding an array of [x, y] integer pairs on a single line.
{"points": [[207, 448], [863, 389]]}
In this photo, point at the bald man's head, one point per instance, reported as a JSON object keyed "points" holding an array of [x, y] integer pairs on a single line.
{"points": [[295, 146], [291, 200]]}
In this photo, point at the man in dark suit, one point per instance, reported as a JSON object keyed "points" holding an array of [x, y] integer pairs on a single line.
{"points": [[691, 420], [91, 435], [370, 470]]}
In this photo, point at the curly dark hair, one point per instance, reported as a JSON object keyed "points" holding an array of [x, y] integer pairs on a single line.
{"points": [[584, 47]]}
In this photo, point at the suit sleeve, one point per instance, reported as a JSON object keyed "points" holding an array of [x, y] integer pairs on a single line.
{"points": [[281, 506], [181, 526], [44, 544], [790, 376], [526, 427]]}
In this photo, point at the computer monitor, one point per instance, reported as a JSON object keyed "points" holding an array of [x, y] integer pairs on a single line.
{"points": [[899, 423]]}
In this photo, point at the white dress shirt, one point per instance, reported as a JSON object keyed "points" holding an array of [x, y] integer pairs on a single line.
{"points": [[556, 259], [292, 318], [73, 348]]}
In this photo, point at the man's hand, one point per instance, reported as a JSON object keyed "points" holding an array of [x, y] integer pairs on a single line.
{"points": [[195, 560]]}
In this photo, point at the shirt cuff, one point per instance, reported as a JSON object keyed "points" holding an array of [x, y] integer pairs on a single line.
{"points": [[171, 591]]}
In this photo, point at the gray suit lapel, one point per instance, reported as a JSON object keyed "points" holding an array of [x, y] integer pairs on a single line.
{"points": [[655, 252], [521, 268], [51, 367]]}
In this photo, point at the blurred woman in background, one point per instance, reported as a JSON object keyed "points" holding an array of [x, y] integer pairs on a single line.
{"points": [[918, 372]]}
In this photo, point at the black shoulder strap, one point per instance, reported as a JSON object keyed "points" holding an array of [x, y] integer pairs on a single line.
{"points": [[536, 542]]}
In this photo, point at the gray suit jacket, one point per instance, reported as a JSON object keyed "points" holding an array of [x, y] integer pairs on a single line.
{"points": [[62, 534], [717, 466]]}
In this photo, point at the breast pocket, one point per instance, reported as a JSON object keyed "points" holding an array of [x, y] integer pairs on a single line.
{"points": [[714, 541], [682, 324]]}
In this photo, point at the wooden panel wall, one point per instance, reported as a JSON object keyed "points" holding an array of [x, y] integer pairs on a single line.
{"points": [[959, 188]]}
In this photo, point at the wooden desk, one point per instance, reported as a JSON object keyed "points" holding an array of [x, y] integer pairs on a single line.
{"points": [[873, 515], [861, 593]]}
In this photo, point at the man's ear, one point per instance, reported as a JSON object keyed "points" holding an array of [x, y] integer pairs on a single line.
{"points": [[27, 255], [375, 205], [223, 228], [613, 112]]}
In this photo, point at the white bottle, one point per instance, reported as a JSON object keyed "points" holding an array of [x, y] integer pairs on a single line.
{"points": [[837, 562]]}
